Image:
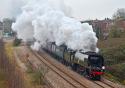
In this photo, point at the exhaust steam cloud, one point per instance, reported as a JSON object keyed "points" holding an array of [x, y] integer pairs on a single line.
{"points": [[46, 21]]}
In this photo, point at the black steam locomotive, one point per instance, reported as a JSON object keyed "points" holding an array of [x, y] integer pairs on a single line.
{"points": [[89, 64]]}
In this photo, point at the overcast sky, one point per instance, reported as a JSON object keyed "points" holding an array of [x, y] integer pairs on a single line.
{"points": [[92, 9], [81, 9]]}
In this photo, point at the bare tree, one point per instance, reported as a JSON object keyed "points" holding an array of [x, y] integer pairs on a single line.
{"points": [[119, 14]]}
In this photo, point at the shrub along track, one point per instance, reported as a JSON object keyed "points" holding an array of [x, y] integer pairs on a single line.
{"points": [[68, 76]]}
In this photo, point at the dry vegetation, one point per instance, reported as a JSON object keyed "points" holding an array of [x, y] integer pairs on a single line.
{"points": [[33, 77], [13, 74], [8, 70], [30, 78]]}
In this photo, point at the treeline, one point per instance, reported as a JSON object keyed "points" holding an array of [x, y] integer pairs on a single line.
{"points": [[113, 51]]}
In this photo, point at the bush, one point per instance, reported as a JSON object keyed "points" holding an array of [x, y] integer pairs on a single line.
{"points": [[17, 42], [114, 60], [113, 51], [114, 55], [124, 82], [39, 75], [118, 71], [115, 32]]}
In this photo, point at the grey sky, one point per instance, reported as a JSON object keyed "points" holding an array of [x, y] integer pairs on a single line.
{"points": [[10, 8], [92, 9], [81, 9]]}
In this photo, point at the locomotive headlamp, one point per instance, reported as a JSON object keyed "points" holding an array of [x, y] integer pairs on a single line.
{"points": [[103, 67]]}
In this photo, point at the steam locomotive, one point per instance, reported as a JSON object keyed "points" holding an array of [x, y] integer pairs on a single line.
{"points": [[88, 64]]}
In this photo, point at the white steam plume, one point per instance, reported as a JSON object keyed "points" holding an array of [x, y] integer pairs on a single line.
{"points": [[36, 46], [49, 22]]}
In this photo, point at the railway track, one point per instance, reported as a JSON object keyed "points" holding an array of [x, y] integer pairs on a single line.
{"points": [[103, 84], [64, 75], [111, 84], [57, 71]]}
